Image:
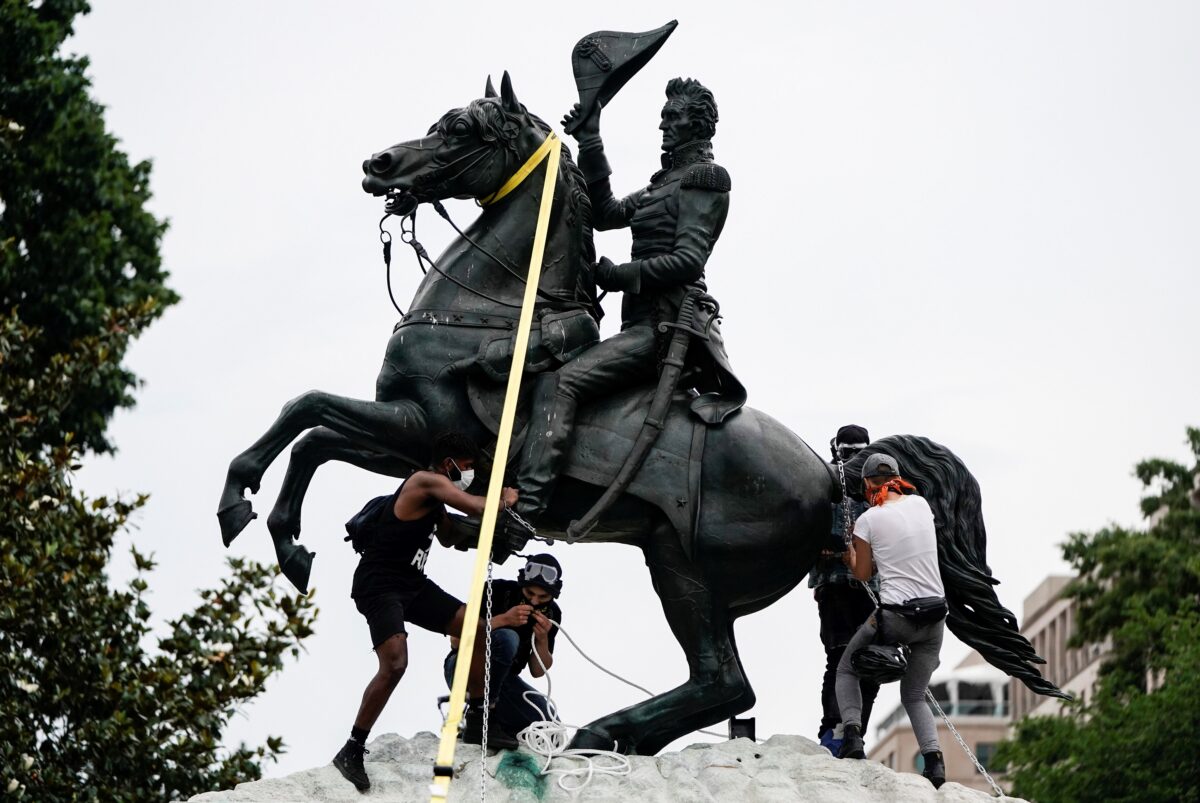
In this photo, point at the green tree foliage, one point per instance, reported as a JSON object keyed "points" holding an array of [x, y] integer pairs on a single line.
{"points": [[1138, 739], [92, 705], [76, 240], [88, 710]]}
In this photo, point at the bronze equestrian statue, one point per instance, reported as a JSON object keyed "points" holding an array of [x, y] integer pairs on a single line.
{"points": [[732, 508]]}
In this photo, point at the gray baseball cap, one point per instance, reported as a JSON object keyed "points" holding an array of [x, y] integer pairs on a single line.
{"points": [[881, 465]]}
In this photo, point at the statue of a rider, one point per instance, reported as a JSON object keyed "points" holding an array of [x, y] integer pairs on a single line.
{"points": [[675, 223]]}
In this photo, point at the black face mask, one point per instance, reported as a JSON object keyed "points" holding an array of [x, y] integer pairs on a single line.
{"points": [[545, 606]]}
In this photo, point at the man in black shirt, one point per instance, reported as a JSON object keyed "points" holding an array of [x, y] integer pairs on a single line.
{"points": [[394, 534], [528, 605]]}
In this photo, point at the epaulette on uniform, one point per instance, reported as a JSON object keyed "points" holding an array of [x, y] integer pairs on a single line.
{"points": [[707, 176]]}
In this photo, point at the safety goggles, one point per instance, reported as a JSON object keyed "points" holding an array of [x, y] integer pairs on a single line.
{"points": [[845, 451], [533, 571]]}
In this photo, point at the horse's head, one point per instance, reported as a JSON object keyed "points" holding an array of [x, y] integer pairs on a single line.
{"points": [[468, 153]]}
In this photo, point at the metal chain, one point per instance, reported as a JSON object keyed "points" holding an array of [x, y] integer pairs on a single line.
{"points": [[487, 685], [524, 523], [928, 694], [970, 754], [847, 513], [937, 708]]}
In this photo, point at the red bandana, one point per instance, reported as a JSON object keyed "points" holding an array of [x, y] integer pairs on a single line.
{"points": [[895, 484]]}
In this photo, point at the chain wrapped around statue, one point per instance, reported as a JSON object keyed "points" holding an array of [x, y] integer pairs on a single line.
{"points": [[643, 438]]}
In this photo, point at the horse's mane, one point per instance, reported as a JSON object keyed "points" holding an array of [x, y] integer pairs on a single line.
{"points": [[496, 125], [976, 615], [580, 203]]}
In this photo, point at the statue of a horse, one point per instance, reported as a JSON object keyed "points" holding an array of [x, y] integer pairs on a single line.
{"points": [[730, 517]]}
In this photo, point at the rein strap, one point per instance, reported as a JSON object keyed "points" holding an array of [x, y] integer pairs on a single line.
{"points": [[523, 172]]}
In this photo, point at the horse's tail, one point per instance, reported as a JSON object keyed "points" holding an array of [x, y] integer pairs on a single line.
{"points": [[976, 615]]}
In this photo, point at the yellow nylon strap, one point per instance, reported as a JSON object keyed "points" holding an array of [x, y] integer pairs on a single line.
{"points": [[551, 141], [440, 789]]}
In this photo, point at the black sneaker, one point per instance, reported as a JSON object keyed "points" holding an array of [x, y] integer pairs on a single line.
{"points": [[935, 768], [472, 732], [349, 762], [852, 743]]}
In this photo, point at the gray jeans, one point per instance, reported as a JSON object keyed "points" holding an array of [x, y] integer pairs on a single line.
{"points": [[924, 643]]}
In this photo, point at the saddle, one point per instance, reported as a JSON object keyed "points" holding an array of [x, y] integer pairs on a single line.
{"points": [[605, 433]]}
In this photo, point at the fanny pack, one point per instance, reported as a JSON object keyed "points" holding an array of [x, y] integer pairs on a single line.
{"points": [[921, 611], [362, 528]]}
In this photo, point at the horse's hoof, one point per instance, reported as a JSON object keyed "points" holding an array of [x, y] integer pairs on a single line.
{"points": [[234, 518], [296, 566], [594, 738]]}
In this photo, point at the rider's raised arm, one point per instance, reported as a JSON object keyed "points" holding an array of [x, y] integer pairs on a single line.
{"points": [[608, 212], [701, 217]]}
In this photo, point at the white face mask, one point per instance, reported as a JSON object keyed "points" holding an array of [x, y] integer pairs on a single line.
{"points": [[465, 479]]}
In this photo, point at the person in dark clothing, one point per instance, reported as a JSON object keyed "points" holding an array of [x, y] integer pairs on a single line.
{"points": [[842, 602], [395, 535], [529, 606]]}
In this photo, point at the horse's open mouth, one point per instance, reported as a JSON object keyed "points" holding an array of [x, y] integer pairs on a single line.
{"points": [[377, 186], [402, 202]]}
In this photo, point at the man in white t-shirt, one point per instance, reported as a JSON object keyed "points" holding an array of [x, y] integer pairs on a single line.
{"points": [[895, 536]]}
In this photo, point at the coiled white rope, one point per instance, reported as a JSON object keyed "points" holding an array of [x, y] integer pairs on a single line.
{"points": [[549, 738]]}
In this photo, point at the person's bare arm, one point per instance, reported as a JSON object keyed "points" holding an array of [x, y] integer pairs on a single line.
{"points": [[430, 487], [860, 560]]}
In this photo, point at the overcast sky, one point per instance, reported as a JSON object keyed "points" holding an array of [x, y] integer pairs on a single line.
{"points": [[972, 221]]}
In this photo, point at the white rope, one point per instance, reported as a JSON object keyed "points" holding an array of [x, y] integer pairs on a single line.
{"points": [[549, 738]]}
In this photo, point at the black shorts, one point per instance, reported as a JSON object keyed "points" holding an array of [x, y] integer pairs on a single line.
{"points": [[427, 606]]}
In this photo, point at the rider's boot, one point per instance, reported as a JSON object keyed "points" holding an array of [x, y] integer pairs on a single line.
{"points": [[548, 436], [512, 534]]}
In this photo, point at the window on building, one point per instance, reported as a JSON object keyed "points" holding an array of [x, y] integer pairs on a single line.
{"points": [[919, 762], [891, 760], [941, 693], [986, 753], [975, 698]]}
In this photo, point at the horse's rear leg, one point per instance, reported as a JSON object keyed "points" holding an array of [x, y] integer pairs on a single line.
{"points": [[716, 688], [316, 447], [398, 424]]}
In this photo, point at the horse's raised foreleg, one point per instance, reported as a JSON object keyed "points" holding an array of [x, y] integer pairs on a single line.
{"points": [[716, 687], [396, 427], [314, 448]]}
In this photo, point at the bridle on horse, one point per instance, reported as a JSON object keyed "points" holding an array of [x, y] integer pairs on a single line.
{"points": [[404, 205]]}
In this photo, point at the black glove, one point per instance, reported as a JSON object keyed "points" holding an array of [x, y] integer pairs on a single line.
{"points": [[609, 276]]}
